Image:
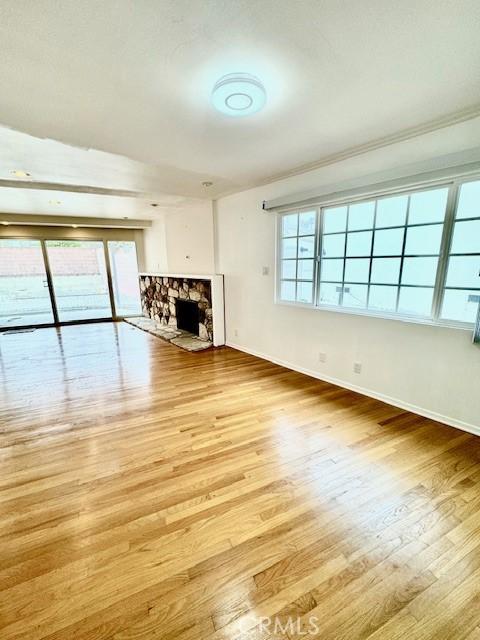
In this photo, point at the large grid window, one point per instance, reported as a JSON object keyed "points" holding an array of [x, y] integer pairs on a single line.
{"points": [[462, 286], [415, 254], [383, 254], [297, 251]]}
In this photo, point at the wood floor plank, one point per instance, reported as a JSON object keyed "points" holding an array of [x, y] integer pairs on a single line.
{"points": [[147, 492]]}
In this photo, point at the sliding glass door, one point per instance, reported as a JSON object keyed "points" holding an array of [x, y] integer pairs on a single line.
{"points": [[24, 292], [124, 270], [46, 282], [80, 281]]}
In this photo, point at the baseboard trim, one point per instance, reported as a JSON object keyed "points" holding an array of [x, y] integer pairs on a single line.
{"points": [[395, 402]]}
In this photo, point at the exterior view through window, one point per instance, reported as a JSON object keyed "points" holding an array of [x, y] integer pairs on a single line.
{"points": [[48, 281], [414, 254], [79, 277], [24, 294], [124, 270]]}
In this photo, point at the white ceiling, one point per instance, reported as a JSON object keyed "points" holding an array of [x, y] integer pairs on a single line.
{"points": [[66, 180], [134, 79]]}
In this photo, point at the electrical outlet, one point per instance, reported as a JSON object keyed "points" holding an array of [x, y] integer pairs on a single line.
{"points": [[322, 357], [235, 333], [357, 367], [265, 271]]}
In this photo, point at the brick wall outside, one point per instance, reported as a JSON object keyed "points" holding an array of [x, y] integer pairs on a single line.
{"points": [[63, 261]]}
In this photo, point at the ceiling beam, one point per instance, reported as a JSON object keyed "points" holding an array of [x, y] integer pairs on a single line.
{"points": [[68, 221], [70, 188]]}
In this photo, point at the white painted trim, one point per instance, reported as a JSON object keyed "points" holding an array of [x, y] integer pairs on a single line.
{"points": [[405, 184], [425, 413], [190, 276], [218, 311], [449, 120]]}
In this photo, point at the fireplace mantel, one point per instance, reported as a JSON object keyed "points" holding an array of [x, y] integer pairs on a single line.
{"points": [[187, 276], [216, 290]]}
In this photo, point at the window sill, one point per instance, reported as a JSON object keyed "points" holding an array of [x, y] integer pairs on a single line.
{"points": [[446, 324]]}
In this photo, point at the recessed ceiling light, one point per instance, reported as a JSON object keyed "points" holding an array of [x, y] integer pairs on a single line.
{"points": [[5, 223], [20, 174], [207, 183], [238, 94]]}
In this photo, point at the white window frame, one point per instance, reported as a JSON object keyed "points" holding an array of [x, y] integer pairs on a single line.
{"points": [[453, 185]]}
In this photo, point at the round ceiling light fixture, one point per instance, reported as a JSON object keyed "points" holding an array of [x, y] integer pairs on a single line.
{"points": [[238, 94]]}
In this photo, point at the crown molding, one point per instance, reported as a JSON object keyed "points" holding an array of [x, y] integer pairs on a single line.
{"points": [[456, 117]]}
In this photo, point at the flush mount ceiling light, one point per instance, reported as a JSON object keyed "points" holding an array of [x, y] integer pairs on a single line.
{"points": [[238, 94]]}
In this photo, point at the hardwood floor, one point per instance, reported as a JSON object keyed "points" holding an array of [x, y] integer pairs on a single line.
{"points": [[147, 492]]}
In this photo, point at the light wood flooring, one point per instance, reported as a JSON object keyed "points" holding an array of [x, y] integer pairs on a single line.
{"points": [[148, 492]]}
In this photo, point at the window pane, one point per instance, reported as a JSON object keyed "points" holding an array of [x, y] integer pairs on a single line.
{"points": [[306, 224], [24, 293], [466, 237], [360, 216], [289, 248], [391, 212], [124, 269], [333, 246], [305, 270], [306, 247], [80, 282], [469, 200], [427, 206], [460, 305], [357, 269], [424, 240], [330, 293], [289, 269], [359, 243], [421, 271], [332, 270], [415, 301], [355, 295], [289, 225], [305, 292], [385, 270], [463, 271], [382, 298], [334, 219], [287, 291], [388, 243]]}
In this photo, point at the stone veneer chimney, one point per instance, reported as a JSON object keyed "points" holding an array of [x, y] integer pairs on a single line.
{"points": [[159, 293]]}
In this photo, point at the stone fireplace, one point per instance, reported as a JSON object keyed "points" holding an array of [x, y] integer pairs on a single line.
{"points": [[188, 303]]}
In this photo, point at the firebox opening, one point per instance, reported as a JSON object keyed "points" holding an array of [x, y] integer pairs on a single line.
{"points": [[187, 316]]}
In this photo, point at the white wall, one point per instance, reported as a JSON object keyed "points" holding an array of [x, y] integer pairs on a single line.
{"points": [[181, 240], [433, 370]]}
